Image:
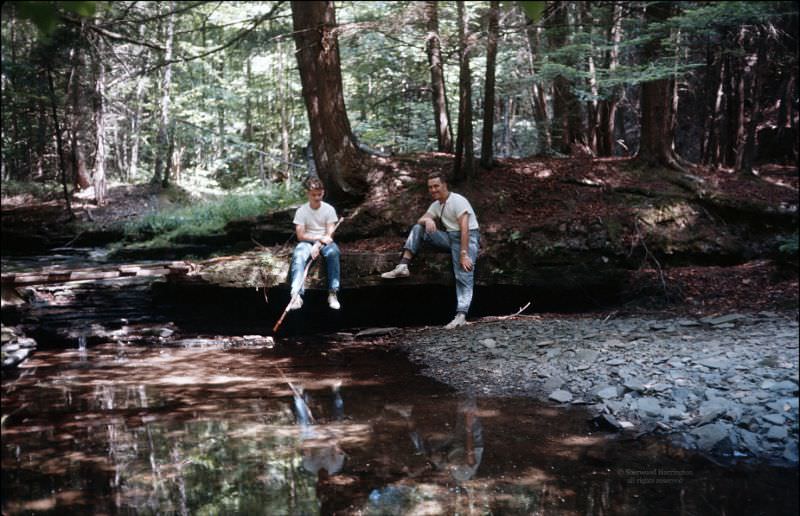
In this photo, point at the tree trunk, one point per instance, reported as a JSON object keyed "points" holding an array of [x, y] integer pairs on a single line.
{"points": [[464, 163], [99, 174], [283, 87], [507, 107], [593, 104], [538, 101], [487, 142], [710, 108], [339, 162], [757, 70], [220, 65], [161, 173], [657, 130], [59, 144], [248, 114], [607, 107], [441, 113], [10, 71], [80, 177], [566, 109]]}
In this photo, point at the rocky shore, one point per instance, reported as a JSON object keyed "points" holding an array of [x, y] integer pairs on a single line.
{"points": [[726, 385]]}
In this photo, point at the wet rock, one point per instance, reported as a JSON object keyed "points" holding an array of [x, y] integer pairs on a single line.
{"points": [[784, 386], [375, 332], [790, 452], [560, 396], [607, 422], [489, 343], [607, 392], [722, 319], [775, 419], [649, 406], [634, 384], [553, 383], [750, 441], [715, 362], [711, 436], [777, 433]]}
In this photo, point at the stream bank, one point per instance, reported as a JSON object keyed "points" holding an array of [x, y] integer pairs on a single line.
{"points": [[726, 385]]}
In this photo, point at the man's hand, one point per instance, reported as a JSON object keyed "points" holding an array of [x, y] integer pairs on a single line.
{"points": [[466, 262], [430, 225], [315, 250], [326, 240]]}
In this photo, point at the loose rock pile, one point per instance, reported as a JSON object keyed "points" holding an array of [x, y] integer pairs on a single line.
{"points": [[726, 385], [15, 347]]}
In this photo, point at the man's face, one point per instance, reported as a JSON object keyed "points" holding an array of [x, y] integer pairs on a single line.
{"points": [[315, 197], [437, 189]]}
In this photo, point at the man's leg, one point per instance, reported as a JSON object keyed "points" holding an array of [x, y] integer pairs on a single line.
{"points": [[301, 254], [465, 280], [416, 237], [331, 254]]}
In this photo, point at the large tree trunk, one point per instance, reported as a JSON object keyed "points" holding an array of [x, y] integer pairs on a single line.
{"points": [[464, 163], [161, 173], [487, 142], [339, 162], [754, 72], [80, 175], [538, 101], [566, 128], [607, 107], [711, 107], [657, 136], [441, 113], [99, 173], [59, 144]]}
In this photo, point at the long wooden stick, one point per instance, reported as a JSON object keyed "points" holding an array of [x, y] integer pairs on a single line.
{"points": [[305, 273]]}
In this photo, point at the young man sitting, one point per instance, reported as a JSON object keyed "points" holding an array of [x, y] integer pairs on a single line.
{"points": [[314, 223]]}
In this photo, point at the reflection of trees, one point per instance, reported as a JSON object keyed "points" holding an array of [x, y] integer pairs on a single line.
{"points": [[212, 467]]}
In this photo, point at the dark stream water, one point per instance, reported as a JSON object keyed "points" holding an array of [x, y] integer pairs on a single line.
{"points": [[321, 425]]}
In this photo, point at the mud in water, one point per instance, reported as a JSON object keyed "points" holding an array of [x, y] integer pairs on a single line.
{"points": [[320, 426]]}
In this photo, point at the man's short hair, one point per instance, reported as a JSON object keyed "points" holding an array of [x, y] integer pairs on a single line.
{"points": [[438, 175], [313, 183]]}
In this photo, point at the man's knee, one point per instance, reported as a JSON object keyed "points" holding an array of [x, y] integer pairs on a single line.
{"points": [[331, 251]]}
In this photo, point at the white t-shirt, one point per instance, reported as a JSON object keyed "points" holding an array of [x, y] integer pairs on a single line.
{"points": [[454, 206], [315, 221]]}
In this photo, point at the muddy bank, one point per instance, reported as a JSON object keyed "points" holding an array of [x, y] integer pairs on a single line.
{"points": [[726, 384]]}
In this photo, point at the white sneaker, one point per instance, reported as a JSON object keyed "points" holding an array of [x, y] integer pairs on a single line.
{"points": [[401, 271], [333, 302], [459, 320], [296, 303]]}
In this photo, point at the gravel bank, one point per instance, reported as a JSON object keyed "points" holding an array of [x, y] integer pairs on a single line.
{"points": [[726, 385]]}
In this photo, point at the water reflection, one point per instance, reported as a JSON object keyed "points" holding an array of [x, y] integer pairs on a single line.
{"points": [[215, 431]]}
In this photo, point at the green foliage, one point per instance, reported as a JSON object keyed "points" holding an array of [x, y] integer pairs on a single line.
{"points": [[789, 244], [45, 15], [33, 189], [210, 217], [534, 10]]}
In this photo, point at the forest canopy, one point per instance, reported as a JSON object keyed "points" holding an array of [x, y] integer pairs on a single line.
{"points": [[210, 94]]}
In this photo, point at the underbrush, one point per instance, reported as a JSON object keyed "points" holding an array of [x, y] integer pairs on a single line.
{"points": [[30, 190], [207, 217]]}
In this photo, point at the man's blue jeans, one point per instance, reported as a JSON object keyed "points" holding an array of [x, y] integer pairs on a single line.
{"points": [[450, 241], [301, 255]]}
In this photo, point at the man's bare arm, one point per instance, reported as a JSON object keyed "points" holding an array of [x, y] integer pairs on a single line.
{"points": [[464, 259]]}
